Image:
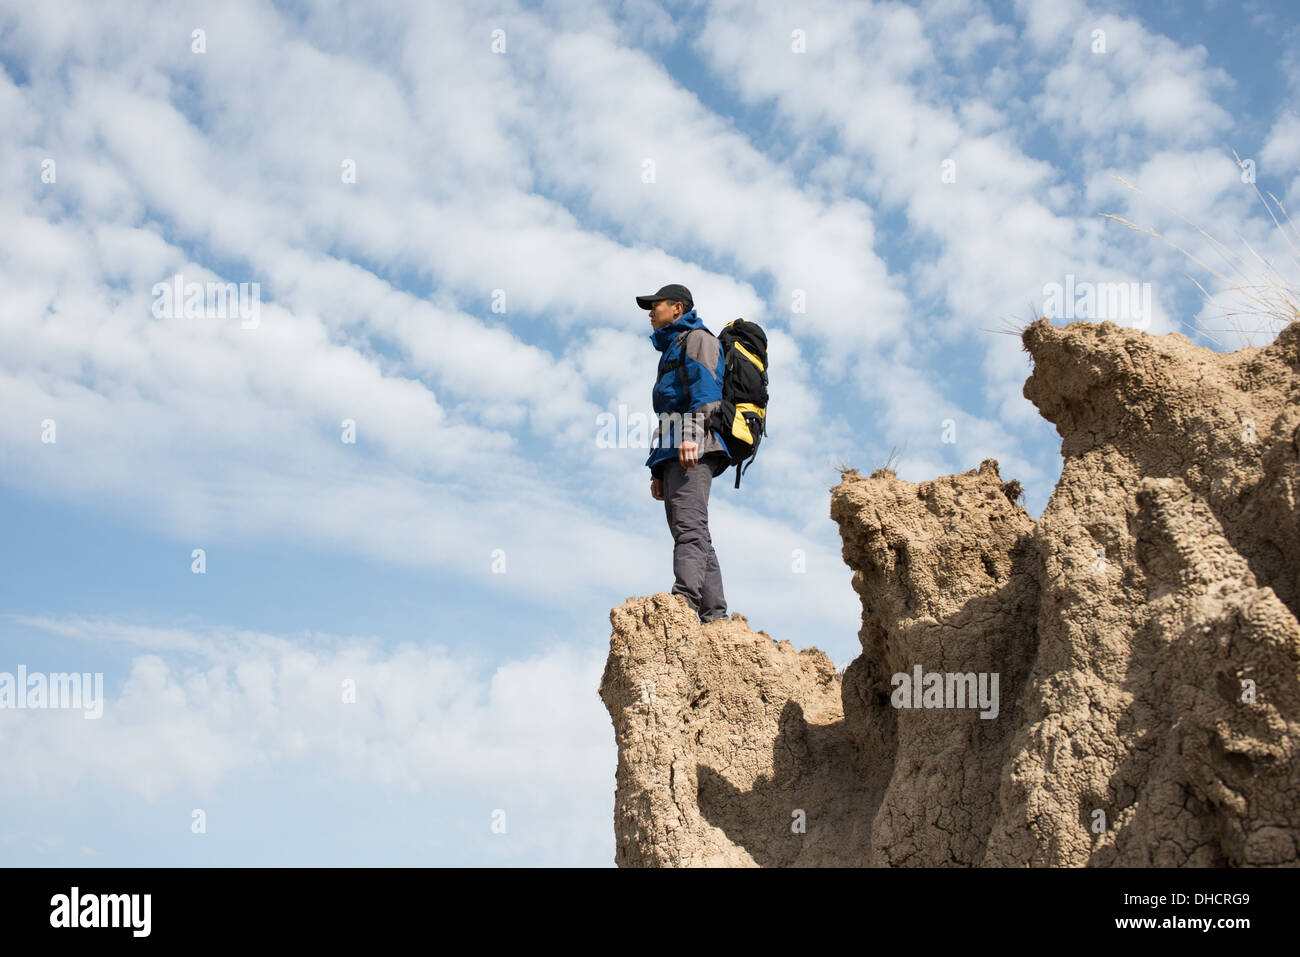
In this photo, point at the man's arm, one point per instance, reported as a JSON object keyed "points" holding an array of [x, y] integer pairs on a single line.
{"points": [[702, 351]]}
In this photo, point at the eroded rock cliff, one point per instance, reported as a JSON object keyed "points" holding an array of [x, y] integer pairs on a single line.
{"points": [[1116, 684]]}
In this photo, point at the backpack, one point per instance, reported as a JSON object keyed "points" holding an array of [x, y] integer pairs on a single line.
{"points": [[742, 416]]}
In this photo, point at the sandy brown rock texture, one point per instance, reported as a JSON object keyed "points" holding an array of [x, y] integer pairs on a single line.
{"points": [[1116, 684]]}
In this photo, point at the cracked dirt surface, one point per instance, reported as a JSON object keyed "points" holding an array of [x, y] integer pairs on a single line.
{"points": [[1143, 630]]}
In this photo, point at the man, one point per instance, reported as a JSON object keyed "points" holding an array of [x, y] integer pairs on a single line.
{"points": [[687, 390]]}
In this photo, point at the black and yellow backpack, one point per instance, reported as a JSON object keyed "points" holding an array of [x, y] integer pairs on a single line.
{"points": [[742, 416]]}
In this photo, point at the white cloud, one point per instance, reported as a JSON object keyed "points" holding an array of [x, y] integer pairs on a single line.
{"points": [[1280, 155], [198, 707], [1137, 84]]}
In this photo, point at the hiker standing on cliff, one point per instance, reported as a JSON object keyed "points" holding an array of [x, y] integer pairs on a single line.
{"points": [[687, 391]]}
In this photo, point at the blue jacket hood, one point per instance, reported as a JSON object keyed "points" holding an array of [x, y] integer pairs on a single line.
{"points": [[662, 338]]}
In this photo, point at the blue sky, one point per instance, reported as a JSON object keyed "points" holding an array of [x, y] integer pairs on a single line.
{"points": [[916, 175]]}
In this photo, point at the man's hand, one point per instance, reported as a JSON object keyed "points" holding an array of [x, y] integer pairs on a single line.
{"points": [[657, 489], [688, 455]]}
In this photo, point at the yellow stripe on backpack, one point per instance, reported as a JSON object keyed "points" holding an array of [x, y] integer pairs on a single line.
{"points": [[739, 427], [749, 355]]}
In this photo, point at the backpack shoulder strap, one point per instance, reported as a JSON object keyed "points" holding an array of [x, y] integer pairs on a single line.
{"points": [[680, 362], [681, 369]]}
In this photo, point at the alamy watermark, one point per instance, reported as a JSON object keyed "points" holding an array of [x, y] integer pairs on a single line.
{"points": [[75, 909], [177, 298], [63, 690], [639, 430], [937, 689], [1126, 302]]}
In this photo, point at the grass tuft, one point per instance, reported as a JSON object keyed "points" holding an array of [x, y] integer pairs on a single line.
{"points": [[1272, 296]]}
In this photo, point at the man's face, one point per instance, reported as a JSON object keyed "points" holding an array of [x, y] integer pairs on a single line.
{"points": [[664, 312]]}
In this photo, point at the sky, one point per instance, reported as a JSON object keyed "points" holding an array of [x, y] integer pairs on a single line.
{"points": [[345, 559]]}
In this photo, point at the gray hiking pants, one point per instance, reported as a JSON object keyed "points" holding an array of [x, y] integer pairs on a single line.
{"points": [[686, 505]]}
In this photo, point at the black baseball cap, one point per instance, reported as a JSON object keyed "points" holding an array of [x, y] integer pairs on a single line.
{"points": [[673, 291]]}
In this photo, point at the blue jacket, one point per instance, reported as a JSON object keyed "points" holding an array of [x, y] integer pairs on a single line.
{"points": [[687, 391]]}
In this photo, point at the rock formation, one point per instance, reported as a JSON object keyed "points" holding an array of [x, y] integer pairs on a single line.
{"points": [[1116, 684]]}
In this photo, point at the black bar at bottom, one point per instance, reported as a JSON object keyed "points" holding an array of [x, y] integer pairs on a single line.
{"points": [[335, 905]]}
